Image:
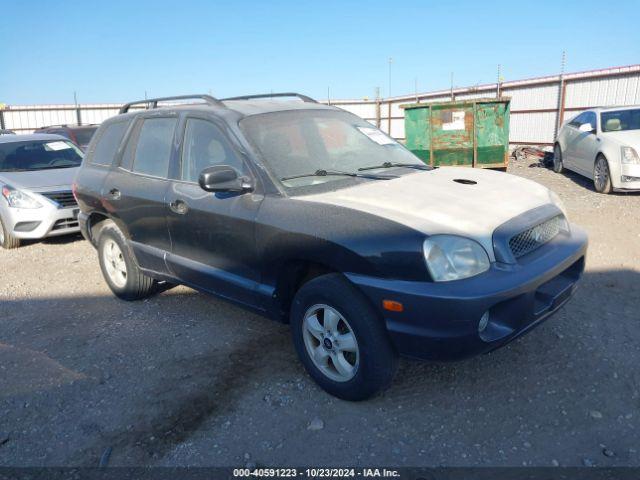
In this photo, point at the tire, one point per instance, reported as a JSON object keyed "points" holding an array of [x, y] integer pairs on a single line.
{"points": [[118, 267], [7, 241], [372, 363], [601, 175], [558, 165]]}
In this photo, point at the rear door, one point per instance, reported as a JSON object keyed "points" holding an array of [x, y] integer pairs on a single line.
{"points": [[213, 243], [135, 192], [571, 136]]}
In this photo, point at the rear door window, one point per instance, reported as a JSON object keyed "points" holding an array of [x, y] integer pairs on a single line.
{"points": [[107, 145], [153, 150]]}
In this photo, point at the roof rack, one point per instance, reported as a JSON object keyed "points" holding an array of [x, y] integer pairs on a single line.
{"points": [[304, 98], [68, 125], [153, 102]]}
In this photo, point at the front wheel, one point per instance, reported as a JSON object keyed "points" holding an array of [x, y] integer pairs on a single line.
{"points": [[7, 241], [119, 269], [558, 166], [340, 339], [601, 175]]}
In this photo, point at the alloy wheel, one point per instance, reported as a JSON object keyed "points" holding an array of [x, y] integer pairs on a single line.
{"points": [[330, 343], [601, 174], [114, 263]]}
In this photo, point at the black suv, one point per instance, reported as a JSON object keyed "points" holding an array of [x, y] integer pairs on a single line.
{"points": [[310, 215], [79, 134]]}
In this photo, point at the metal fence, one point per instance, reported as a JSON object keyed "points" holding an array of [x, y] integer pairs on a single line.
{"points": [[538, 105]]}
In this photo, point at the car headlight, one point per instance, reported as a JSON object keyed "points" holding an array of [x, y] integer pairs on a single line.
{"points": [[450, 257], [17, 199], [629, 155]]}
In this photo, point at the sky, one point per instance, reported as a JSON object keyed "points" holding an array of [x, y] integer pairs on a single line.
{"points": [[116, 51]]}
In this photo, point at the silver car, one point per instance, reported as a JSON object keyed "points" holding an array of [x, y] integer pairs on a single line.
{"points": [[36, 177], [602, 144]]}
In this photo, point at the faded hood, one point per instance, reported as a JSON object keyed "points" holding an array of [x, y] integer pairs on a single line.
{"points": [[432, 202]]}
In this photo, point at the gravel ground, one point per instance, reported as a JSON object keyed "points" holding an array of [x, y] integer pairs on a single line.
{"points": [[185, 379]]}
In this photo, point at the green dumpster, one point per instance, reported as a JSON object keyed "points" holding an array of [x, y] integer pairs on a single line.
{"points": [[471, 133]]}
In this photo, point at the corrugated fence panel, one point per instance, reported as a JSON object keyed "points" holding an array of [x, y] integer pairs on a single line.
{"points": [[397, 128], [622, 90], [363, 110], [532, 128], [533, 98], [97, 115]]}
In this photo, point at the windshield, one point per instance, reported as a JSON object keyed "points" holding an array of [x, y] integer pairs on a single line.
{"points": [[306, 141], [83, 135], [38, 155], [620, 120]]}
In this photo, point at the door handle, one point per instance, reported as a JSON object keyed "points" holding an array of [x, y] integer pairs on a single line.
{"points": [[115, 194], [179, 206]]}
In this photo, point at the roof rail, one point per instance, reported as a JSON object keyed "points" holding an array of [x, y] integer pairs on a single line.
{"points": [[304, 98], [153, 102]]}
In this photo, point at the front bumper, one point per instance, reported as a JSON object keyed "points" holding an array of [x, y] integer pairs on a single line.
{"points": [[631, 171], [440, 320], [47, 221]]}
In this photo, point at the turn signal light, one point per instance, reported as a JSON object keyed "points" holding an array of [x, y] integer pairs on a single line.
{"points": [[392, 306]]}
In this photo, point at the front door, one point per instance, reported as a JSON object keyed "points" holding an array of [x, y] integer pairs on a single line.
{"points": [[213, 243], [586, 146]]}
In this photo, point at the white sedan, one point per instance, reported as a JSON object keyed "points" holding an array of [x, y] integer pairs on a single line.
{"points": [[602, 144]]}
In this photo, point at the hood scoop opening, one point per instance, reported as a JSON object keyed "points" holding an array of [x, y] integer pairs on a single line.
{"points": [[465, 181]]}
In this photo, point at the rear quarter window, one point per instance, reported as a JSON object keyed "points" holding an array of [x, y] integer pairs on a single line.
{"points": [[107, 143]]}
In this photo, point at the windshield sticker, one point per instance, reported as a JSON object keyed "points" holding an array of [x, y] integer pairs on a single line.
{"points": [[55, 146], [455, 122], [377, 136]]}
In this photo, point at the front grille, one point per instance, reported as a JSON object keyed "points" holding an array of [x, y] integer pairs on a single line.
{"points": [[64, 199], [65, 223], [534, 237]]}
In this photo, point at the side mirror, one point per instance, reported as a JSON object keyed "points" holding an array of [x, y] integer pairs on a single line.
{"points": [[223, 178], [587, 128]]}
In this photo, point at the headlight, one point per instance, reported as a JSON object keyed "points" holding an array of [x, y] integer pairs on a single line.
{"points": [[18, 199], [629, 155], [555, 199], [450, 257]]}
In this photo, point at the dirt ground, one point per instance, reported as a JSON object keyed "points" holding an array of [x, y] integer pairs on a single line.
{"points": [[185, 379]]}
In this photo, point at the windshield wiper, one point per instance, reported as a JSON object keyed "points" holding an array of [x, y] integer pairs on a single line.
{"points": [[417, 166], [327, 173]]}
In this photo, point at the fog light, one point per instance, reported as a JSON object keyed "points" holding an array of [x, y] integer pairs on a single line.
{"points": [[626, 178], [484, 321]]}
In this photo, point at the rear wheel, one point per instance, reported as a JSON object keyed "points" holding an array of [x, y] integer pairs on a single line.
{"points": [[7, 241], [601, 175], [118, 267], [558, 166], [340, 339]]}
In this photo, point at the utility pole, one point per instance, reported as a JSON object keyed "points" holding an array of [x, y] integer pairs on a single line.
{"points": [[328, 96], [415, 86], [389, 89], [75, 102], [452, 86], [562, 86], [378, 114], [498, 82]]}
